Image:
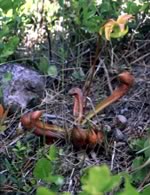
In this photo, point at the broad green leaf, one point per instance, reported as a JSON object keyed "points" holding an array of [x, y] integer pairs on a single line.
{"points": [[132, 8], [6, 53], [56, 179], [138, 144], [9, 47], [105, 6], [13, 42], [43, 65], [4, 31], [146, 191], [44, 191], [140, 173], [115, 181], [52, 153], [61, 2], [42, 169], [129, 189], [145, 6], [6, 5], [52, 71], [99, 179]]}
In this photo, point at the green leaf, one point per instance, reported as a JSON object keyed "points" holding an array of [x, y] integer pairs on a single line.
{"points": [[43, 65], [42, 169], [12, 43], [52, 153], [129, 189], [132, 8], [146, 191], [139, 174], [138, 144], [44, 191], [6, 5], [105, 7], [52, 71], [145, 6], [56, 179], [10, 47], [4, 31], [6, 53], [98, 180], [61, 2]]}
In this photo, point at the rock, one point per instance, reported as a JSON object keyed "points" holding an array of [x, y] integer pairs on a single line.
{"points": [[120, 121], [20, 86], [119, 136]]}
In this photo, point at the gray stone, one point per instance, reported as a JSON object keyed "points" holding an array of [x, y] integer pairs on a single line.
{"points": [[119, 135], [20, 86], [120, 121]]}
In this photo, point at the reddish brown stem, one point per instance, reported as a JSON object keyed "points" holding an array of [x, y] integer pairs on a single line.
{"points": [[126, 80], [48, 133], [78, 103], [32, 120]]}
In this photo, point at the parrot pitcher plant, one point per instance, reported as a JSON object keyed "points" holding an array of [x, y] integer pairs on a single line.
{"points": [[79, 134]]}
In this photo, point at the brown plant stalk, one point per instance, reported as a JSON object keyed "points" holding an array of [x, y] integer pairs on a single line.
{"points": [[82, 138], [78, 103], [126, 81], [32, 121]]}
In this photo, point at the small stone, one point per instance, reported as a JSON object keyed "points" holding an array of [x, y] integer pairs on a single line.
{"points": [[120, 121], [119, 135]]}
